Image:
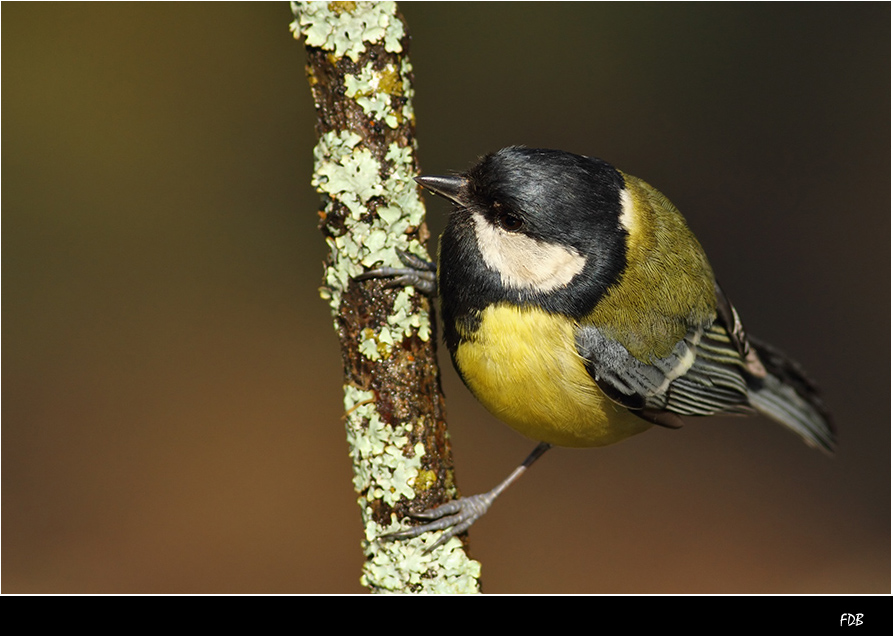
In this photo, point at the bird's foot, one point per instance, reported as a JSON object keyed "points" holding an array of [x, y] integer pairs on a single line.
{"points": [[455, 517], [418, 273]]}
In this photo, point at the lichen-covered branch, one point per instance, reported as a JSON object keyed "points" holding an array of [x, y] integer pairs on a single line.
{"points": [[361, 80]]}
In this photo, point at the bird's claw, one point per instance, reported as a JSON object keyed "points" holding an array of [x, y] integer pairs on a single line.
{"points": [[418, 273], [454, 517]]}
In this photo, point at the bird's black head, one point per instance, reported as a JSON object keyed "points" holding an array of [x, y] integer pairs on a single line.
{"points": [[558, 197], [532, 226]]}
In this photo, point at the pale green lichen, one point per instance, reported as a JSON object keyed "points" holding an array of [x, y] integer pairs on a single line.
{"points": [[383, 469], [387, 468], [353, 178], [445, 570], [401, 192], [373, 88], [405, 318], [345, 28], [348, 173], [408, 92], [376, 345], [370, 89]]}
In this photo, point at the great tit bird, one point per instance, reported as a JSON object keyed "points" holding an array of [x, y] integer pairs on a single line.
{"points": [[580, 309]]}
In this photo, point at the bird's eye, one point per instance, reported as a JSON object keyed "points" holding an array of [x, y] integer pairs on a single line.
{"points": [[508, 222]]}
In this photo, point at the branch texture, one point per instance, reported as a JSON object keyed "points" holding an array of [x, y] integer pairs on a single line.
{"points": [[361, 81]]}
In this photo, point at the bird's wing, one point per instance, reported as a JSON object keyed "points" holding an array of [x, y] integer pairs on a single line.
{"points": [[705, 373]]}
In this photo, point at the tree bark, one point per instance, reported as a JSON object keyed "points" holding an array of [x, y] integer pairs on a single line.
{"points": [[361, 80]]}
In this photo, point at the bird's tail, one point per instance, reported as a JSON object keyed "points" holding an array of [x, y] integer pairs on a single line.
{"points": [[787, 396]]}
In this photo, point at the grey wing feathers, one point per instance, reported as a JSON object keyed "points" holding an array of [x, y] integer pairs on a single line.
{"points": [[625, 379], [701, 376], [713, 370], [714, 383]]}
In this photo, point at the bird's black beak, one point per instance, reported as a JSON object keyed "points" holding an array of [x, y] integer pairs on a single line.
{"points": [[447, 187]]}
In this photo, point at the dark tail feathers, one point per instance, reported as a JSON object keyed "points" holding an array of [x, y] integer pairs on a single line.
{"points": [[787, 396]]}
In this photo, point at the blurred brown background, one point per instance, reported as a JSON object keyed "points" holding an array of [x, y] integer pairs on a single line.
{"points": [[171, 380]]}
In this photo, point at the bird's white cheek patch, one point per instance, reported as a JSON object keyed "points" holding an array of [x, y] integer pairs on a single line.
{"points": [[525, 263]]}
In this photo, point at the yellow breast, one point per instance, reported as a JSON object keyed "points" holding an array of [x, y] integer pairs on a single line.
{"points": [[523, 366]]}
